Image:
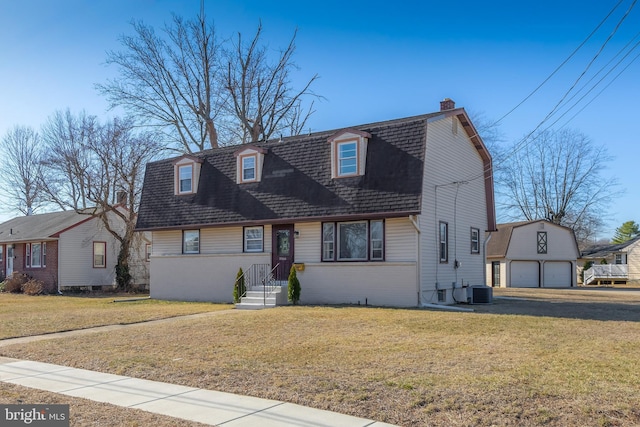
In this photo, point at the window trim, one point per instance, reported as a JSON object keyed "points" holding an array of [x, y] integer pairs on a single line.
{"points": [[104, 255], [245, 240], [475, 243], [443, 254], [339, 159], [28, 261], [334, 243], [147, 252], [184, 242], [254, 157], [542, 242], [330, 243], [179, 177]]}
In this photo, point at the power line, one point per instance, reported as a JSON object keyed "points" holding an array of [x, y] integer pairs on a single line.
{"points": [[559, 66]]}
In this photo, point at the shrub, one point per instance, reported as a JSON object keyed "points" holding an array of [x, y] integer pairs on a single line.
{"points": [[293, 288], [14, 282], [33, 287], [239, 287]]}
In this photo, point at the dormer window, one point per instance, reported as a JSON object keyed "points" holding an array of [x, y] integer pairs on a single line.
{"points": [[185, 177], [186, 173], [347, 158], [249, 168], [249, 164], [348, 153]]}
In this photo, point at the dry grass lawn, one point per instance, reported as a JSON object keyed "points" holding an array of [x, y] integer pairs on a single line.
{"points": [[567, 358], [24, 315]]}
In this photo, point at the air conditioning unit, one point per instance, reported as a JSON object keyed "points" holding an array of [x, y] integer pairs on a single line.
{"points": [[479, 295]]}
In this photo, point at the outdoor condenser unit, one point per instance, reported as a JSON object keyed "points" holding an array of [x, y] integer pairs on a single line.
{"points": [[479, 295]]}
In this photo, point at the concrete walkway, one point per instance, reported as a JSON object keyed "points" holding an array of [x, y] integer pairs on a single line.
{"points": [[189, 403]]}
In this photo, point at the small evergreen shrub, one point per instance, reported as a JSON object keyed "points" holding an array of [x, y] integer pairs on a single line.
{"points": [[33, 287], [239, 287], [293, 288], [14, 282]]}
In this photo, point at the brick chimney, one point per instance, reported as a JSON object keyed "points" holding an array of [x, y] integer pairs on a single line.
{"points": [[121, 197], [447, 104]]}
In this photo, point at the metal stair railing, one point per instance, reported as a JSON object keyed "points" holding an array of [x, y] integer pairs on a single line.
{"points": [[259, 275], [269, 283]]}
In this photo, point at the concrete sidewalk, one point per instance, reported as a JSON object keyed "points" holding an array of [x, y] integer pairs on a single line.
{"points": [[189, 403]]}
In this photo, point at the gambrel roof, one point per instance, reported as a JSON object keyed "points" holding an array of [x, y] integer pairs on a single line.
{"points": [[296, 182]]}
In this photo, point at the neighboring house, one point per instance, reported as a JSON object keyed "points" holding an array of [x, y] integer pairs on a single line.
{"points": [[62, 249], [532, 254], [390, 213], [611, 263]]}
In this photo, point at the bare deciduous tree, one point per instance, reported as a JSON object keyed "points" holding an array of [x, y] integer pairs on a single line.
{"points": [[260, 92], [97, 169], [170, 82], [21, 169], [201, 94], [66, 137], [556, 176]]}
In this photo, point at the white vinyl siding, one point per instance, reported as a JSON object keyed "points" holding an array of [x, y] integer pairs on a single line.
{"points": [[450, 158], [218, 240], [75, 255]]}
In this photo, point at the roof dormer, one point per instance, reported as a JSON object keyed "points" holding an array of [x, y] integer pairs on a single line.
{"points": [[348, 153], [186, 172], [249, 161]]}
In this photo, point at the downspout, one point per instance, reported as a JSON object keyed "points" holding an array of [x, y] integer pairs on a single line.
{"points": [[484, 258], [414, 222]]}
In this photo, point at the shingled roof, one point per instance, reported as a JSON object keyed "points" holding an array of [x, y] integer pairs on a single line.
{"points": [[45, 226], [602, 251], [296, 182], [500, 239]]}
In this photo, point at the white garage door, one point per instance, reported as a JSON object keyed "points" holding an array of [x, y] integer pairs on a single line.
{"points": [[557, 274], [525, 274]]}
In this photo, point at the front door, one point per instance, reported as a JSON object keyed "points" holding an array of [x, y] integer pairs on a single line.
{"points": [[9, 260], [282, 253]]}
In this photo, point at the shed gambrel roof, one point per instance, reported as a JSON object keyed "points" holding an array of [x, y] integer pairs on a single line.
{"points": [[501, 238], [296, 182]]}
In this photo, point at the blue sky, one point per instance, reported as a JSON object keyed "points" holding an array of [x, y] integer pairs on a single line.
{"points": [[376, 61]]}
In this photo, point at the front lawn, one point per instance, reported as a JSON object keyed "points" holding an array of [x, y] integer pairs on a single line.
{"points": [[557, 361], [23, 315]]}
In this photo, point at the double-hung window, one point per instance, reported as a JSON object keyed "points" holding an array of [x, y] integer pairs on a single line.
{"points": [[99, 254], [191, 242], [475, 241], [347, 158], [185, 177], [249, 168], [443, 239], [353, 241], [36, 255], [253, 239]]}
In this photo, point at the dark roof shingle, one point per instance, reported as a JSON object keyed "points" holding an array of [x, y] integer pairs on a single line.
{"points": [[296, 182]]}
